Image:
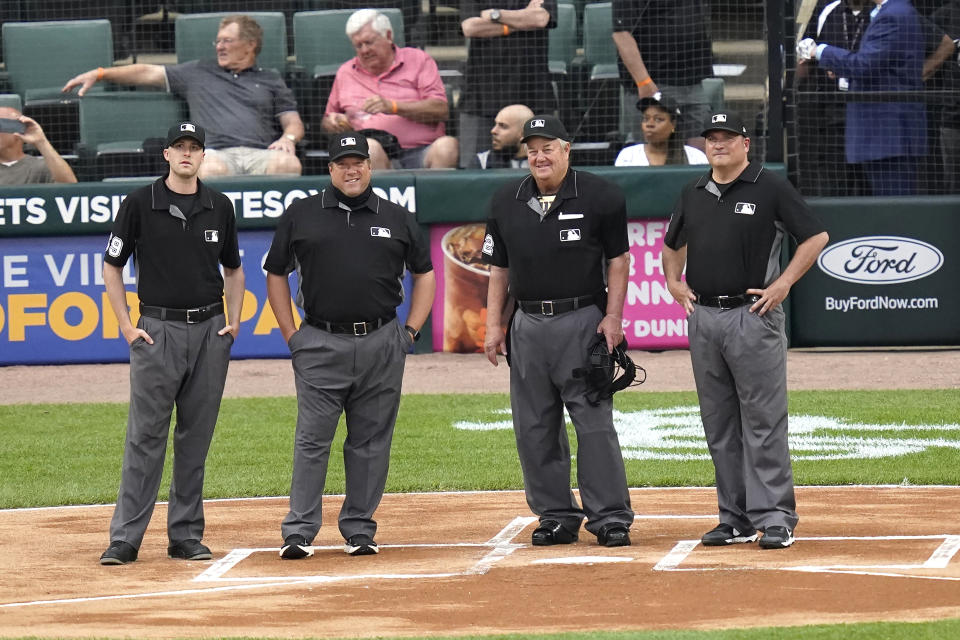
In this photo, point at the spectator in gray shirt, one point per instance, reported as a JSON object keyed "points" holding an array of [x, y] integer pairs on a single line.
{"points": [[16, 167], [249, 113]]}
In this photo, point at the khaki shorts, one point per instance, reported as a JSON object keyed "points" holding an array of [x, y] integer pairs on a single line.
{"points": [[243, 160]]}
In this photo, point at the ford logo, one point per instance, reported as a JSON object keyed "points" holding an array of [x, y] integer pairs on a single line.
{"points": [[880, 260]]}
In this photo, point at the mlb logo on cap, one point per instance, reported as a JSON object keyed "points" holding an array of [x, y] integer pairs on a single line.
{"points": [[186, 126], [724, 122], [536, 123], [186, 130], [348, 146], [720, 117], [548, 127], [347, 141]]}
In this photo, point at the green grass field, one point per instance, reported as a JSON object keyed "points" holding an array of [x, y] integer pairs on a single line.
{"points": [[71, 454]]}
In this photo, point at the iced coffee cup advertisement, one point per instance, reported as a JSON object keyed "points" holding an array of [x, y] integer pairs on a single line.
{"points": [[651, 319]]}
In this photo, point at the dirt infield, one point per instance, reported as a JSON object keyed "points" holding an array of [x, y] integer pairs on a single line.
{"points": [[471, 373], [462, 563]]}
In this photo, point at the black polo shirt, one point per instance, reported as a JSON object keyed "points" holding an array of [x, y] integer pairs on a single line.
{"points": [[733, 238], [564, 254], [508, 69], [177, 257], [671, 36], [350, 263]]}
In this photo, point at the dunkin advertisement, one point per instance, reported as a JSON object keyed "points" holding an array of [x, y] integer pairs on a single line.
{"points": [[651, 319]]}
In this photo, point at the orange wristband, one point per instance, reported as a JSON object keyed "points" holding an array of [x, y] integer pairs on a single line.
{"points": [[645, 82], [506, 30], [393, 103], [99, 73]]}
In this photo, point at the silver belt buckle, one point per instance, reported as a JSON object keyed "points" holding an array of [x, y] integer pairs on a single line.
{"points": [[725, 306], [190, 320], [359, 328], [546, 307]]}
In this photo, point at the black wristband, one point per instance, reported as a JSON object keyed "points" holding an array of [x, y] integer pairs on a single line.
{"points": [[413, 332]]}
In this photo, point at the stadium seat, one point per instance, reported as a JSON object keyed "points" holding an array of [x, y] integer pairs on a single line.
{"points": [[599, 51], [563, 40], [11, 100], [40, 58], [320, 42], [194, 35], [122, 133]]}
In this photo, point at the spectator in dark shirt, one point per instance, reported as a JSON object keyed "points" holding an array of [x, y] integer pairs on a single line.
{"points": [[506, 150], [249, 114]]}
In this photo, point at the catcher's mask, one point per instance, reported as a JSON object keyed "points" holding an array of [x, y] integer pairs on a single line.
{"points": [[606, 373]]}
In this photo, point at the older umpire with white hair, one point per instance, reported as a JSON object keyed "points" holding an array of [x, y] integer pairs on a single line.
{"points": [[392, 90], [555, 239]]}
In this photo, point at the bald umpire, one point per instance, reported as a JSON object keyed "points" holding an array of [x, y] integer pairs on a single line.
{"points": [[727, 228], [557, 241], [179, 232], [350, 249]]}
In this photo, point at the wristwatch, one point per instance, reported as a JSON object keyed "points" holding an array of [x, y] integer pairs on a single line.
{"points": [[494, 15], [292, 138], [413, 332]]}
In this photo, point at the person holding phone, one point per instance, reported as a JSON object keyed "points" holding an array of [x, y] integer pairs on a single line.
{"points": [[17, 167]]}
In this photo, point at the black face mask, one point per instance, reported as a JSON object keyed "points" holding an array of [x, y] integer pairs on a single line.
{"points": [[606, 373]]}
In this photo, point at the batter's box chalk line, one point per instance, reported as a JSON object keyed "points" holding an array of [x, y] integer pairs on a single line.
{"points": [[940, 558]]}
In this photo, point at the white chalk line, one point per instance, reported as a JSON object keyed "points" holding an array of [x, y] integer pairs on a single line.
{"points": [[939, 559]]}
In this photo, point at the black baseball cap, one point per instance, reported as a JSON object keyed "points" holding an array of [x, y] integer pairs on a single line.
{"points": [[348, 144], [186, 130], [659, 100], [724, 122], [544, 127]]}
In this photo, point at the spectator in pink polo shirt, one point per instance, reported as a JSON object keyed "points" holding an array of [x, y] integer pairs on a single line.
{"points": [[393, 89]]}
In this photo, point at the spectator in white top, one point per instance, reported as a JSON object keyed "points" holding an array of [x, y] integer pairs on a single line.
{"points": [[662, 145]]}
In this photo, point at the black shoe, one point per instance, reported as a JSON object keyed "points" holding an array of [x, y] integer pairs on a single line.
{"points": [[295, 547], [551, 532], [614, 535], [361, 545], [119, 552], [189, 550], [724, 534], [776, 538]]}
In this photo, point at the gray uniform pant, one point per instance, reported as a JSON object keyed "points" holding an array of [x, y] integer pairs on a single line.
{"points": [[359, 375], [185, 366], [544, 351], [740, 367]]}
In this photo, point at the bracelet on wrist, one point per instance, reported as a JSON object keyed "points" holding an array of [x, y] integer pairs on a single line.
{"points": [[645, 82]]}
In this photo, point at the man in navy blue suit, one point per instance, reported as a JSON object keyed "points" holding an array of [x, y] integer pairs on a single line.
{"points": [[886, 138]]}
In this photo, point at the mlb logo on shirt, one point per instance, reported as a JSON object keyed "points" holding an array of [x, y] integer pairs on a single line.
{"points": [[211, 235], [746, 208], [379, 232], [536, 123], [569, 235], [720, 117]]}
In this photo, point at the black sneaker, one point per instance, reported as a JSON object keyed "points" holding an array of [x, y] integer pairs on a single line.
{"points": [[724, 534], [551, 532], [776, 538], [361, 545], [295, 547], [119, 552], [189, 550], [613, 535]]}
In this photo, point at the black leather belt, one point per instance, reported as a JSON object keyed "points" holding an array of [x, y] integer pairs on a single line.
{"points": [[190, 316], [353, 328], [556, 307], [727, 302]]}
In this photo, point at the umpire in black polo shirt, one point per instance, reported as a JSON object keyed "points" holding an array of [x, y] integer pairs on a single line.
{"points": [[728, 227], [350, 248], [554, 240], [179, 231]]}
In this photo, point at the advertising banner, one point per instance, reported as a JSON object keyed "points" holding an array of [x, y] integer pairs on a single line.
{"points": [[651, 319], [888, 276], [54, 308]]}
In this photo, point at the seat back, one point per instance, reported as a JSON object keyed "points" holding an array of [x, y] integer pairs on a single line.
{"points": [[320, 40], [599, 52], [11, 100], [128, 116], [194, 34], [563, 39], [41, 56]]}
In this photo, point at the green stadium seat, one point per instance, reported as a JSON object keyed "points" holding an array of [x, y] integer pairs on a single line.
{"points": [[599, 51], [320, 40], [11, 100], [194, 34], [563, 40], [122, 132]]}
